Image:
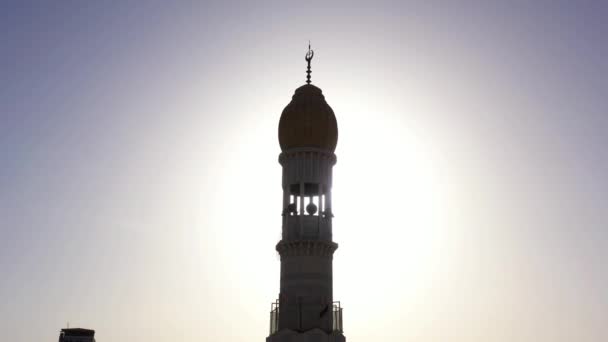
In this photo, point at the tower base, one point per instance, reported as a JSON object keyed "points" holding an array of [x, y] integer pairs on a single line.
{"points": [[313, 335]]}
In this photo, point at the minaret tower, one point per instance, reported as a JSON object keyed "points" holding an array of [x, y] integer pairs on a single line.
{"points": [[308, 134]]}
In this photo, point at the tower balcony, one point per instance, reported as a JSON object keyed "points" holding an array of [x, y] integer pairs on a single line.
{"points": [[336, 315]]}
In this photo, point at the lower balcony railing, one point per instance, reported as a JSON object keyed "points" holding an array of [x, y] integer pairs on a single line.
{"points": [[274, 317], [336, 317]]}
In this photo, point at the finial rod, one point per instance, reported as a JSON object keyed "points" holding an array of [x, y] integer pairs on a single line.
{"points": [[308, 58]]}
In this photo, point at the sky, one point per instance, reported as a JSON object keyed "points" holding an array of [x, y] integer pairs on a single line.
{"points": [[140, 189]]}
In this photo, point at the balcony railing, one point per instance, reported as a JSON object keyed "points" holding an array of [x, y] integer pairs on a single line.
{"points": [[336, 317], [274, 317]]}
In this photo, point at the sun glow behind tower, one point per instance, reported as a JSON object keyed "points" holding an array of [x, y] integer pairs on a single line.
{"points": [[470, 174]]}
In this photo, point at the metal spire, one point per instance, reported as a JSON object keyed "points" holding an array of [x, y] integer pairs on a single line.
{"points": [[308, 58]]}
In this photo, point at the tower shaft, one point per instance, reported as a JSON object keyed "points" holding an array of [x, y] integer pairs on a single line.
{"points": [[306, 247]]}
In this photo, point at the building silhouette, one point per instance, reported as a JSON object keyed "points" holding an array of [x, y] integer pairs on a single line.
{"points": [[308, 135], [76, 335]]}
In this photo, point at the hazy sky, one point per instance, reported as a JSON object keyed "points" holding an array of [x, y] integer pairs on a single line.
{"points": [[140, 190]]}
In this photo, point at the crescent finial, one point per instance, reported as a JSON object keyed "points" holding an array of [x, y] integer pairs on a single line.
{"points": [[308, 58]]}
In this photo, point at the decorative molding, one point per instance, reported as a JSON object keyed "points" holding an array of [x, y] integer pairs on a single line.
{"points": [[306, 247], [303, 151]]}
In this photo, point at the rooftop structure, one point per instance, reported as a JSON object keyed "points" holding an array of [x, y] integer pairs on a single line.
{"points": [[76, 335]]}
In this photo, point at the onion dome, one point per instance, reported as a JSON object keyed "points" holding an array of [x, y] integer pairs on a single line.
{"points": [[308, 121]]}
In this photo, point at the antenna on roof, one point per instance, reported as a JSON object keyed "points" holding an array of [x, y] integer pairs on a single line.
{"points": [[308, 58]]}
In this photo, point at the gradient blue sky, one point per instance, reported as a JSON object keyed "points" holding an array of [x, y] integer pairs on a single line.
{"points": [[140, 189]]}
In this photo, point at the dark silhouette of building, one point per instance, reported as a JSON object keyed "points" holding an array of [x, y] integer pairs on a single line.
{"points": [[77, 335], [308, 135]]}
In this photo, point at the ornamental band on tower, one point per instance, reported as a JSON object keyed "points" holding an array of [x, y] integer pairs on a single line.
{"points": [[308, 135]]}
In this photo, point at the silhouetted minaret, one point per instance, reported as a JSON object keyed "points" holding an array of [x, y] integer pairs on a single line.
{"points": [[308, 134]]}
